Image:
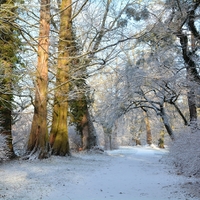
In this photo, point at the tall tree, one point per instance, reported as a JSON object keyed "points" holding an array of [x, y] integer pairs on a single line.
{"points": [[9, 44], [81, 118], [183, 22], [59, 129], [80, 100], [38, 139], [80, 106]]}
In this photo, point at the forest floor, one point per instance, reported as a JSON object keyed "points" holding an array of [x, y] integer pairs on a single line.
{"points": [[129, 173]]}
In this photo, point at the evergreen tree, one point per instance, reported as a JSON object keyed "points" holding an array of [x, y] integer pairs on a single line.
{"points": [[38, 139], [80, 101], [9, 45], [59, 129]]}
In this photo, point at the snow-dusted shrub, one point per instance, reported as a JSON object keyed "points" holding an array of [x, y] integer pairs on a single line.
{"points": [[185, 153], [20, 133], [74, 138], [4, 151]]}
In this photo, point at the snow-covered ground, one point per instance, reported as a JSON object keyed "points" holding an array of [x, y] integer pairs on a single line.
{"points": [[129, 173]]}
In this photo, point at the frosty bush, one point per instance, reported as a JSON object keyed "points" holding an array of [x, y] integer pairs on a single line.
{"points": [[74, 138], [4, 151], [185, 153]]}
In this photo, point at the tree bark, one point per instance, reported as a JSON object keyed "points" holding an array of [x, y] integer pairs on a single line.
{"points": [[88, 131], [180, 113], [59, 130], [148, 128], [161, 141], [38, 139], [6, 99], [192, 77], [89, 138], [166, 122], [192, 108], [107, 138]]}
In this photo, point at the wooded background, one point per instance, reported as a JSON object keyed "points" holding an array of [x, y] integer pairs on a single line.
{"points": [[83, 73]]}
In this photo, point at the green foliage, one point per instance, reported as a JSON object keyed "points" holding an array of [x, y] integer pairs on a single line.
{"points": [[78, 87], [9, 46], [77, 110], [9, 33]]}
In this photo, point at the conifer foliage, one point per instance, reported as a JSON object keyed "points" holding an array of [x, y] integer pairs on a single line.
{"points": [[9, 45]]}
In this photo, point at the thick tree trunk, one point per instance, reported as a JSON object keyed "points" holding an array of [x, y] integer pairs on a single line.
{"points": [[38, 139], [192, 73], [59, 130], [89, 138], [148, 128]]}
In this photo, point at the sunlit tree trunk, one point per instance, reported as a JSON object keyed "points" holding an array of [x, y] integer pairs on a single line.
{"points": [[59, 130], [38, 139]]}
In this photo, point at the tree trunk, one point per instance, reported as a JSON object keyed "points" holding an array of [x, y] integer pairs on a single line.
{"points": [[138, 142], [161, 141], [6, 99], [166, 122], [192, 108], [81, 118], [180, 113], [192, 75], [148, 128], [192, 105], [107, 138], [89, 138], [38, 139], [59, 131]]}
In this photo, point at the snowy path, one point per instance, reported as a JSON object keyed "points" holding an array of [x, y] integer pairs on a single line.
{"points": [[130, 173]]}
